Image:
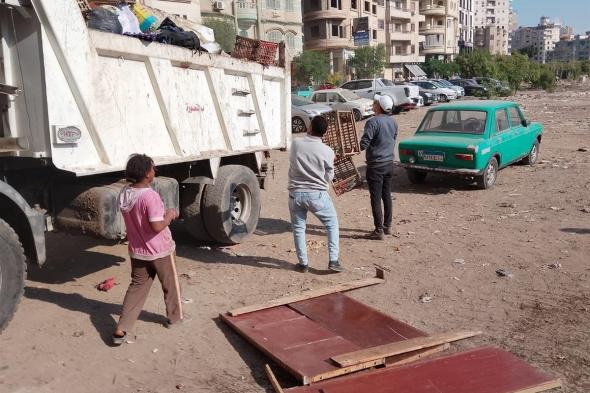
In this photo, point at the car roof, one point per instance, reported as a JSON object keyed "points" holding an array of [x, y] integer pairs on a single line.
{"points": [[486, 105], [337, 90]]}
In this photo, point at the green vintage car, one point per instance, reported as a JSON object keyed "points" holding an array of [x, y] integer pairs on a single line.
{"points": [[472, 139]]}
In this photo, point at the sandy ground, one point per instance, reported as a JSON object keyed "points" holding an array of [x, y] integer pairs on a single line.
{"points": [[531, 219]]}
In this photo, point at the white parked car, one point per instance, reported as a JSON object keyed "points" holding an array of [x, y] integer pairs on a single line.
{"points": [[445, 83], [367, 88], [444, 94], [303, 110], [344, 100]]}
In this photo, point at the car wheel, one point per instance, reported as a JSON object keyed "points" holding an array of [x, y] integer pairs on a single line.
{"points": [[416, 177], [358, 116], [443, 98], [298, 125], [488, 178], [533, 156]]}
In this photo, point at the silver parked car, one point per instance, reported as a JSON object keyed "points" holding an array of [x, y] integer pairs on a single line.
{"points": [[444, 94], [445, 83], [303, 110], [344, 100]]}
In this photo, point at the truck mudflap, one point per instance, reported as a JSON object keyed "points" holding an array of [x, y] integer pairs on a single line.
{"points": [[31, 233]]}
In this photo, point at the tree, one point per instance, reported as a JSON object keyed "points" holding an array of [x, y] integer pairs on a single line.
{"points": [[225, 32], [440, 69], [513, 69], [334, 79], [368, 61], [477, 63], [312, 66]]}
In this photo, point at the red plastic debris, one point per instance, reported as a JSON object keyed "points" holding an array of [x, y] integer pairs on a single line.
{"points": [[107, 284]]}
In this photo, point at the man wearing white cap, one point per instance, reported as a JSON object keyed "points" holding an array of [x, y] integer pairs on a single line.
{"points": [[379, 142]]}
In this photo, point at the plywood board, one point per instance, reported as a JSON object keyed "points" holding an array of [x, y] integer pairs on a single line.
{"points": [[482, 370]]}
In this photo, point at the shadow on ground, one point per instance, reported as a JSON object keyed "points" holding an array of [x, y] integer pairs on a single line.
{"points": [[100, 313]]}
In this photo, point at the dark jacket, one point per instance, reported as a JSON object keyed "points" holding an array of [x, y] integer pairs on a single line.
{"points": [[379, 140]]}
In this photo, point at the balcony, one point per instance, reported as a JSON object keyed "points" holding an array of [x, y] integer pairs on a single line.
{"points": [[432, 29], [246, 12], [328, 43], [406, 59], [400, 13], [432, 48], [331, 13], [436, 10], [402, 35]]}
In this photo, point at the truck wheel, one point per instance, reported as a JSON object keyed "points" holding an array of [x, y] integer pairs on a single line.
{"points": [[190, 207], [533, 156], [416, 177], [13, 270], [488, 178], [231, 206]]}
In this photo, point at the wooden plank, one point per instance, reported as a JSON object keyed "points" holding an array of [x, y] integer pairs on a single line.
{"points": [[400, 347], [273, 379], [410, 357], [307, 295], [556, 383]]}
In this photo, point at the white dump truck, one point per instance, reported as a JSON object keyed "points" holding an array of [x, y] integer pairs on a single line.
{"points": [[75, 103]]}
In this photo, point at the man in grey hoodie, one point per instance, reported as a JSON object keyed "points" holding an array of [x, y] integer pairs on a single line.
{"points": [[311, 168]]}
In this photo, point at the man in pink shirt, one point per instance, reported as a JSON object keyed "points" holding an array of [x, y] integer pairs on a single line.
{"points": [[151, 247]]}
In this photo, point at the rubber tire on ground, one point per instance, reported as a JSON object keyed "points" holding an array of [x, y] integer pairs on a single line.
{"points": [[443, 98], [531, 159], [13, 271], [218, 197], [416, 177], [298, 122], [483, 181], [358, 116], [190, 208]]}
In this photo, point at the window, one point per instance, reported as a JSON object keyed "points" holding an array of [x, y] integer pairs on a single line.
{"points": [[364, 85], [374, 9], [367, 6], [353, 4], [290, 5], [374, 34], [502, 123], [515, 118], [350, 85], [273, 4], [334, 97], [315, 31], [472, 122], [381, 24], [336, 4], [319, 97], [274, 36], [290, 40]]}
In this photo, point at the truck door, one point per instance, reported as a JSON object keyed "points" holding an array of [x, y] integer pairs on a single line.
{"points": [[365, 89]]}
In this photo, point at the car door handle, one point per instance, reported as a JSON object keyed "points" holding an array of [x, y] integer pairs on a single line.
{"points": [[370, 91]]}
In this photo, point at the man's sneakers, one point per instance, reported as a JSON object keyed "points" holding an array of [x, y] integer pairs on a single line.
{"points": [[335, 266], [377, 234], [301, 268], [387, 230]]}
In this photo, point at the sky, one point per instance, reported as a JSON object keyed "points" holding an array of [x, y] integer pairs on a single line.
{"points": [[575, 13]]}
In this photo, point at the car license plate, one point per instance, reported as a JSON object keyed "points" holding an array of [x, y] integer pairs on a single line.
{"points": [[432, 156]]}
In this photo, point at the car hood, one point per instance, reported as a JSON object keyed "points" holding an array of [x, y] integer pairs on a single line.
{"points": [[443, 139], [319, 108], [362, 102]]}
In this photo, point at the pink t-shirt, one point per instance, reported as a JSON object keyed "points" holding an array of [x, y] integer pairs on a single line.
{"points": [[139, 207]]}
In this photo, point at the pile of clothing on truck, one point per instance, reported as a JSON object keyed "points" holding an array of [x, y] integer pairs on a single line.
{"points": [[150, 24]]}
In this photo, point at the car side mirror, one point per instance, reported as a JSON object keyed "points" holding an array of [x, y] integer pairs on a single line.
{"points": [[525, 123]]}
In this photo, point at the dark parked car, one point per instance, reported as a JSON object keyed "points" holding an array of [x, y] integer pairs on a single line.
{"points": [[471, 87]]}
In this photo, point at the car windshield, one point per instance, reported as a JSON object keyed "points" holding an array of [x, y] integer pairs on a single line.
{"points": [[349, 95], [300, 101], [453, 120], [437, 84], [445, 83], [387, 82]]}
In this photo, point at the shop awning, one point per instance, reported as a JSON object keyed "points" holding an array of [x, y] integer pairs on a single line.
{"points": [[415, 70]]}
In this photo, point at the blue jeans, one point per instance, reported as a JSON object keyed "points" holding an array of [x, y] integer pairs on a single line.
{"points": [[321, 206]]}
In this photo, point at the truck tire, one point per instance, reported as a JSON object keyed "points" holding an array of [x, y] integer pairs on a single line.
{"points": [[190, 208], [231, 206], [13, 271]]}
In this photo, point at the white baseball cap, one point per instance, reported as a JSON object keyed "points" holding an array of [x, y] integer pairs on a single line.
{"points": [[385, 102]]}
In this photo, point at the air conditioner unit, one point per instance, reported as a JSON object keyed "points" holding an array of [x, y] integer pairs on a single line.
{"points": [[219, 5]]}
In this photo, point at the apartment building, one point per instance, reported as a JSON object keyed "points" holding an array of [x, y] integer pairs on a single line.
{"points": [[270, 20], [539, 40], [440, 29], [329, 26], [493, 20], [189, 9], [577, 48], [402, 38], [466, 25]]}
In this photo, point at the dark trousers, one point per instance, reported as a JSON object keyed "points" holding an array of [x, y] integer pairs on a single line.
{"points": [[379, 180], [142, 277]]}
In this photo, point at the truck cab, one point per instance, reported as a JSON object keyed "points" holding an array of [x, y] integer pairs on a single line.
{"points": [[367, 88]]}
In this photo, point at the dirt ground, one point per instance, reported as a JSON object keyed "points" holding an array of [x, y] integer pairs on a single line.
{"points": [[450, 238]]}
